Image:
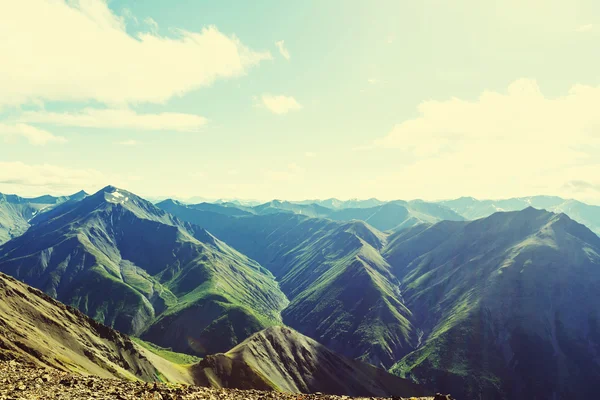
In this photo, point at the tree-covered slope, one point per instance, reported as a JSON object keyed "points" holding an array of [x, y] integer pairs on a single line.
{"points": [[341, 290], [507, 305], [132, 266], [282, 359]]}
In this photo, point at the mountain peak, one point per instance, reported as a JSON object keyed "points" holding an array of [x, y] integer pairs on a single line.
{"points": [[108, 189]]}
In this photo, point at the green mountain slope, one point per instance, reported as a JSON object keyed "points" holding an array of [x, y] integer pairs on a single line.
{"points": [[38, 329], [342, 292], [279, 358], [132, 266], [507, 305]]}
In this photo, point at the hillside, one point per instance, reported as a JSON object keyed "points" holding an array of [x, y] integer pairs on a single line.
{"points": [[280, 358], [24, 381], [35, 328], [507, 305], [131, 266]]}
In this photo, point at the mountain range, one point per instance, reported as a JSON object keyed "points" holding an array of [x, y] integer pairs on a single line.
{"points": [[132, 266], [36, 329], [464, 297]]}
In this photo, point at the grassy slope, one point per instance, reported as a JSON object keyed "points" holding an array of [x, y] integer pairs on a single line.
{"points": [[37, 328]]}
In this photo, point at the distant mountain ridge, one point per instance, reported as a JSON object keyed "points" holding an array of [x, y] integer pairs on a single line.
{"points": [[382, 216], [16, 212], [471, 208]]}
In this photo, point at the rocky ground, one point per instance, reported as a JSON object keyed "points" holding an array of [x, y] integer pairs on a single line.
{"points": [[26, 381]]}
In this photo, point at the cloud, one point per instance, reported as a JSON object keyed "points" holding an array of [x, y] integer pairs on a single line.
{"points": [[280, 104], [152, 24], [501, 144], [34, 135], [197, 174], [129, 142], [582, 186], [18, 177], [118, 118], [585, 28], [310, 154], [282, 50], [372, 81], [79, 50], [291, 172]]}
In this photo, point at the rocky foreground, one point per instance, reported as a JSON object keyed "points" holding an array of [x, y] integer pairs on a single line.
{"points": [[26, 381]]}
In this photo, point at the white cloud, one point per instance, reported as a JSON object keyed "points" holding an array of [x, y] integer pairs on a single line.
{"points": [[79, 50], [118, 118], [585, 28], [197, 174], [129, 142], [152, 24], [280, 104], [501, 144], [27, 179], [291, 172], [372, 81], [282, 49], [34, 135], [310, 154]]}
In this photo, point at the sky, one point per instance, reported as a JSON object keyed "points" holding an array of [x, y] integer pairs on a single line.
{"points": [[391, 99]]}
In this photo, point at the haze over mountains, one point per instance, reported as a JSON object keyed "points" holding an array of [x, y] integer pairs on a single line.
{"points": [[504, 306]]}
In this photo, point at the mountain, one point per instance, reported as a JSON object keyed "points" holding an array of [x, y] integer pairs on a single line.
{"points": [[342, 292], [471, 208], [397, 214], [279, 358], [37, 329], [507, 306], [385, 216], [337, 204], [132, 266], [16, 212]]}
